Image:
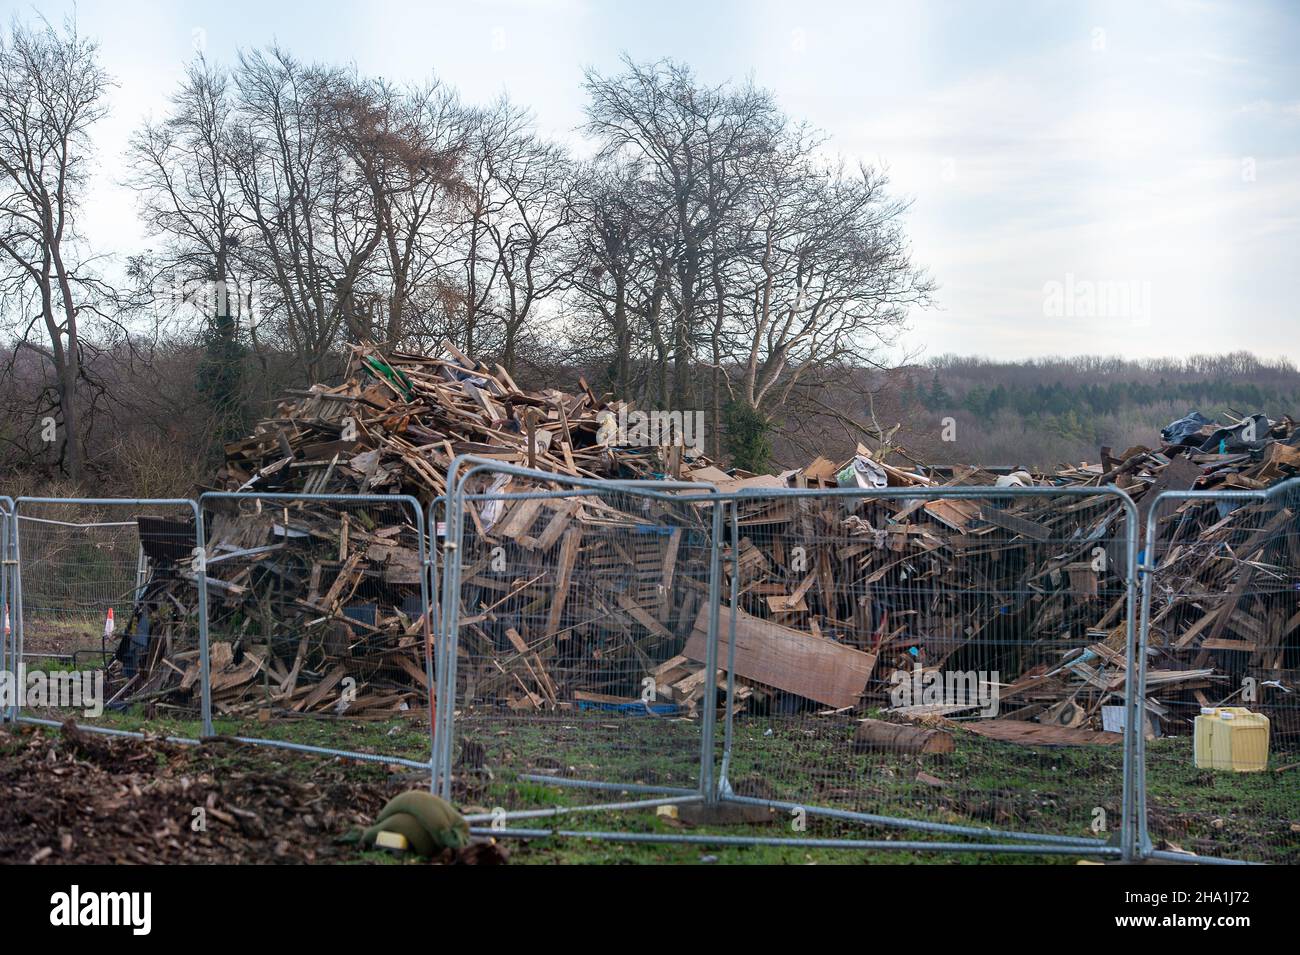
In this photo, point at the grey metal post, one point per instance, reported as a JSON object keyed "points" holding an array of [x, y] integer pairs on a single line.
{"points": [[729, 717], [433, 654], [1144, 637], [6, 521], [16, 597], [201, 584], [1134, 700], [708, 784], [448, 625]]}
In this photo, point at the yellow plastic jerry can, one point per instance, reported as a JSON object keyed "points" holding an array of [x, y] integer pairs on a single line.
{"points": [[1230, 737]]}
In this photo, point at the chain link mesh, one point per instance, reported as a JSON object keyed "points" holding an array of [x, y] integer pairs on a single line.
{"points": [[933, 663], [107, 607], [318, 622], [1220, 631], [570, 603]]}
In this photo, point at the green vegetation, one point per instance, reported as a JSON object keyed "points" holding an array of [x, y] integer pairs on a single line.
{"points": [[60, 665], [986, 784], [749, 437], [1091, 399]]}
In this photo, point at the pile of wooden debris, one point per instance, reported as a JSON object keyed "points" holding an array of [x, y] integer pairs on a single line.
{"points": [[837, 601], [396, 422], [309, 599], [1225, 608], [573, 602]]}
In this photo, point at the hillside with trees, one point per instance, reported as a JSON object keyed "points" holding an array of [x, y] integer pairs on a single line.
{"points": [[1062, 410]]}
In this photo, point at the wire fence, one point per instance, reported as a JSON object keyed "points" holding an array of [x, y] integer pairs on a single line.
{"points": [[109, 617], [8, 568], [1221, 605], [563, 603], [319, 622], [941, 661], [903, 668]]}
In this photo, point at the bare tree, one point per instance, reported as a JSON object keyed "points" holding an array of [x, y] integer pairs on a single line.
{"points": [[606, 254], [323, 197], [764, 273], [623, 250], [51, 95], [406, 147], [307, 211], [490, 135], [698, 146], [703, 256], [533, 180], [831, 283], [189, 195]]}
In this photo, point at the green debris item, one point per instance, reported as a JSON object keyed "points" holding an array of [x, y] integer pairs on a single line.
{"points": [[392, 375], [428, 822]]}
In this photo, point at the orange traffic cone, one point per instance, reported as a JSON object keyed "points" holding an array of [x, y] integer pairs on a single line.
{"points": [[108, 624]]}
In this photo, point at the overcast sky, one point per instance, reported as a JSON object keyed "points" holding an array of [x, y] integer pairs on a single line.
{"points": [[1049, 148]]}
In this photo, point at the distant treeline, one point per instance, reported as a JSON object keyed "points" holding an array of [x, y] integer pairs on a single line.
{"points": [[1059, 399], [1046, 411]]}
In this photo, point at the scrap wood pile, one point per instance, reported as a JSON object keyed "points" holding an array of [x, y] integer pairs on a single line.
{"points": [[1225, 620], [573, 601], [834, 597], [396, 422], [841, 600], [1224, 607], [305, 595]]}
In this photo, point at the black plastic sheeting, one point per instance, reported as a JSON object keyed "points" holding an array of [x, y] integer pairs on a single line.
{"points": [[1250, 435], [1177, 432]]}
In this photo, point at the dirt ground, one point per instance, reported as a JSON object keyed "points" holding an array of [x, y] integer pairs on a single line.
{"points": [[78, 797], [65, 636]]}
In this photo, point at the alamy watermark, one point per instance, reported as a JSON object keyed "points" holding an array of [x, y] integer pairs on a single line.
{"points": [[963, 688], [652, 429], [250, 302], [74, 908], [63, 689], [1098, 298]]}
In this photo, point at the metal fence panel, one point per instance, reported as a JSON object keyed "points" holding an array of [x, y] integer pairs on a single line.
{"points": [[562, 601], [7, 575], [968, 610], [104, 589], [594, 647], [1220, 614], [320, 623], [436, 532], [534, 610]]}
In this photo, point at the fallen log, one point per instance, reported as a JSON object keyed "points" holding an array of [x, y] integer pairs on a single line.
{"points": [[874, 736]]}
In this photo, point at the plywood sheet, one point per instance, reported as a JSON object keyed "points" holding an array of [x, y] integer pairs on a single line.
{"points": [[1039, 734], [787, 659]]}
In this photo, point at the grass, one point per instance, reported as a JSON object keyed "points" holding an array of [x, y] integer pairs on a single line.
{"points": [[1247, 815], [1069, 791], [60, 665]]}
